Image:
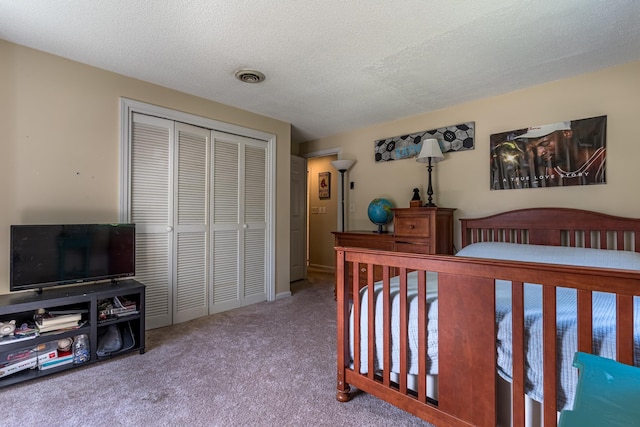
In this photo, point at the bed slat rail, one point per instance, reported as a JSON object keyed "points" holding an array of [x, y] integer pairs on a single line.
{"points": [[422, 336], [549, 352], [467, 329], [624, 330], [519, 376], [372, 325], [356, 311], [585, 319], [386, 318]]}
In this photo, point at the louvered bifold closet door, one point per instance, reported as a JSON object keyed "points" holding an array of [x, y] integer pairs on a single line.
{"points": [[238, 221], [190, 256], [150, 209], [255, 214], [225, 229]]}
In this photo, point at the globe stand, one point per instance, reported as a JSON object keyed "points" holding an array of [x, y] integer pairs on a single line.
{"points": [[380, 230]]}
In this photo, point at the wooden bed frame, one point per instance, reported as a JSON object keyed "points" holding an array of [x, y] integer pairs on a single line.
{"points": [[467, 390]]}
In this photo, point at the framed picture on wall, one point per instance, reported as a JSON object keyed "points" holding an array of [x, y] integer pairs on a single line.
{"points": [[324, 185]]}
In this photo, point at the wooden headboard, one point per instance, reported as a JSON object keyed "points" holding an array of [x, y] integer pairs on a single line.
{"points": [[555, 227]]}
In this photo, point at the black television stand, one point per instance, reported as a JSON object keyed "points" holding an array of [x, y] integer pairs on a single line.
{"points": [[85, 299]]}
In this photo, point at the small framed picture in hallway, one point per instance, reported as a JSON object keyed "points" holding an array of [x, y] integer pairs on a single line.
{"points": [[324, 185]]}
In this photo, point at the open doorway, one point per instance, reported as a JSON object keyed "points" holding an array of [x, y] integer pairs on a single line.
{"points": [[323, 195]]}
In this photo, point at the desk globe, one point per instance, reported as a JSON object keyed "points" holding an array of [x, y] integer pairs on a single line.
{"points": [[380, 213]]}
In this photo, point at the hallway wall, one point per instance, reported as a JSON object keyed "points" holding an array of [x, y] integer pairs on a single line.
{"points": [[322, 213]]}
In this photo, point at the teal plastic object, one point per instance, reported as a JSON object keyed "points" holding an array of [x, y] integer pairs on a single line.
{"points": [[607, 394]]}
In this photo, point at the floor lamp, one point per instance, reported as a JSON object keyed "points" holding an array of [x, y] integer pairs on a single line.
{"points": [[430, 153], [342, 166]]}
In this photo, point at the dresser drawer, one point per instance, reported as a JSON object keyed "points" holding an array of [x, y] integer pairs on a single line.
{"points": [[368, 240], [369, 244], [413, 226], [423, 247]]}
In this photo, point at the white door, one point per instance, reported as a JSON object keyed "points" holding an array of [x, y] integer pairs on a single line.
{"points": [[238, 273], [190, 226], [169, 207], [298, 218], [150, 208]]}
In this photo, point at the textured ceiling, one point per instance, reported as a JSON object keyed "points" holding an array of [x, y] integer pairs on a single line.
{"points": [[334, 65]]}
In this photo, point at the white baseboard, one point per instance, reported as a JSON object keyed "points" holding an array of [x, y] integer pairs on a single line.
{"points": [[282, 295], [321, 268]]}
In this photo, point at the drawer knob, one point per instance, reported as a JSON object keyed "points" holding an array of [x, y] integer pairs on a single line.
{"points": [[412, 226]]}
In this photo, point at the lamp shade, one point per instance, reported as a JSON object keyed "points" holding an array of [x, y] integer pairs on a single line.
{"points": [[342, 165], [430, 150]]}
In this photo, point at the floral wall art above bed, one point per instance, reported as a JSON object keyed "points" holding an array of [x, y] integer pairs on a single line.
{"points": [[451, 138], [552, 155]]}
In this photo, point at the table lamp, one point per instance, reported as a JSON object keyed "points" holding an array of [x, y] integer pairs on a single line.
{"points": [[430, 153]]}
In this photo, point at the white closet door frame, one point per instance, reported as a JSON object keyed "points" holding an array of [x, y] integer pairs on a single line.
{"points": [[128, 107]]}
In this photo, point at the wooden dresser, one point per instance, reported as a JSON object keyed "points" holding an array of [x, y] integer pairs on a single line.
{"points": [[416, 230], [423, 230]]}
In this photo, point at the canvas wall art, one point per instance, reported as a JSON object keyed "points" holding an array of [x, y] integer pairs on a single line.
{"points": [[451, 138], [556, 154]]}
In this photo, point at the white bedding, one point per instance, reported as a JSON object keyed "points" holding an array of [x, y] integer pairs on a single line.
{"points": [[412, 300], [603, 315]]}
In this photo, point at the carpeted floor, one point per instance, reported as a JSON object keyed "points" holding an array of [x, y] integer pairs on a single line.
{"points": [[269, 364]]}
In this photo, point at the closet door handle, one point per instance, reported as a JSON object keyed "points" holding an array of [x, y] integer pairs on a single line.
{"points": [[245, 225], [169, 228]]}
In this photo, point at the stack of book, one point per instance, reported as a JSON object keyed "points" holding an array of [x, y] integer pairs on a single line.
{"points": [[18, 365], [48, 322]]}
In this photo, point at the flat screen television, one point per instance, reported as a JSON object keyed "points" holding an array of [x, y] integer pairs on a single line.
{"points": [[52, 255]]}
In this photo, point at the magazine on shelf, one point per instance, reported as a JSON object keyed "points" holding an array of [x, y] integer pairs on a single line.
{"points": [[9, 357], [25, 330], [58, 361], [12, 368], [10, 339], [127, 313], [116, 307]]}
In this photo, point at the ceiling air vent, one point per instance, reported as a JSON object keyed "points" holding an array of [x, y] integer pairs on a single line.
{"points": [[250, 76]]}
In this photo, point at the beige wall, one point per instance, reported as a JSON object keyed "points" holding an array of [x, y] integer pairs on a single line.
{"points": [[60, 124], [462, 180], [323, 213]]}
